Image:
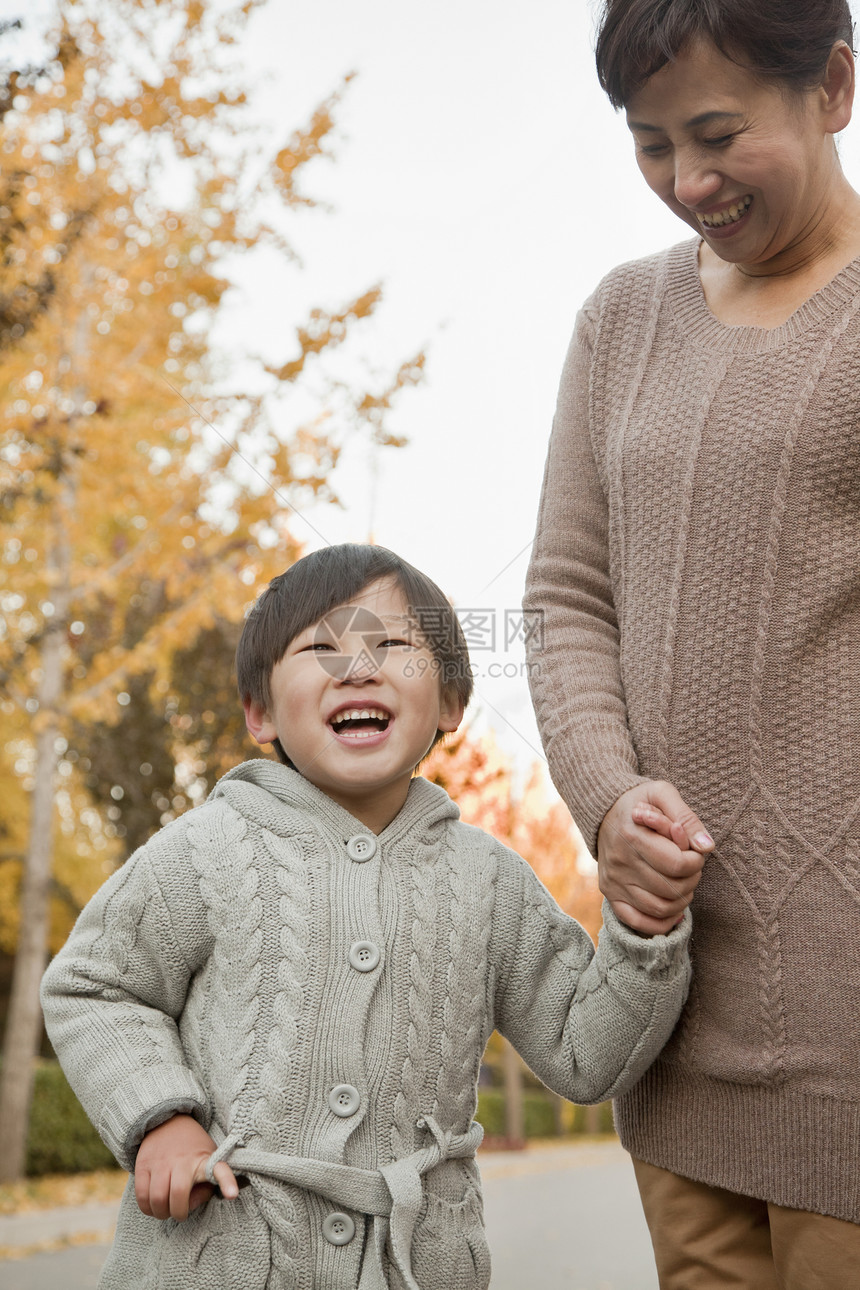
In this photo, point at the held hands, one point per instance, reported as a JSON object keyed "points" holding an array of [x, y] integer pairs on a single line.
{"points": [[651, 850], [170, 1173]]}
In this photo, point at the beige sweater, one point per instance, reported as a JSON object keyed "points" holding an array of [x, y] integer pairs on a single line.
{"points": [[698, 563], [320, 999]]}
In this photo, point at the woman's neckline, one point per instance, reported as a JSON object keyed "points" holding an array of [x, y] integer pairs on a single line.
{"points": [[702, 327]]}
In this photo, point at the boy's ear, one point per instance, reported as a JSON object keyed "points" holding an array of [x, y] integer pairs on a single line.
{"points": [[259, 723], [451, 710]]}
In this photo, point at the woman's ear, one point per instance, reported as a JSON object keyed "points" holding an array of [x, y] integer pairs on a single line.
{"points": [[260, 724], [837, 88]]}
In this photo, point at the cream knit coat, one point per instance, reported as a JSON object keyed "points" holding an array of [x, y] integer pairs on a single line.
{"points": [[697, 561], [230, 969]]}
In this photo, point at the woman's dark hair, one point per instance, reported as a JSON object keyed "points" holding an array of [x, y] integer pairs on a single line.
{"points": [[327, 579], [788, 41]]}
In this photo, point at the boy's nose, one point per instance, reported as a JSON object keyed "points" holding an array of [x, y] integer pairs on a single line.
{"points": [[349, 669], [359, 669]]}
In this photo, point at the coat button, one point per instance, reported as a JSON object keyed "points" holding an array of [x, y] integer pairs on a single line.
{"points": [[364, 956], [344, 1100], [361, 847], [338, 1229]]}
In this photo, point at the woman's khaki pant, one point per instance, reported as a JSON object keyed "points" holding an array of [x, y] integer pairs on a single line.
{"points": [[706, 1238]]}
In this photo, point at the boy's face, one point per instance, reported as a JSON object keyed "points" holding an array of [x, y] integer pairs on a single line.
{"points": [[356, 703]]}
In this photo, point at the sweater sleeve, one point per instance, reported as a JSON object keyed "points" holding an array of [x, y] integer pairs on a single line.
{"points": [[112, 998], [588, 1023], [574, 659]]}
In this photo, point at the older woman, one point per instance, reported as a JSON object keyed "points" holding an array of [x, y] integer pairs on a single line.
{"points": [[698, 564]]}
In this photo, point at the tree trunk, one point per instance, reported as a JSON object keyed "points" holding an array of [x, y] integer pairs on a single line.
{"points": [[515, 1130], [592, 1119], [24, 1022], [558, 1105]]}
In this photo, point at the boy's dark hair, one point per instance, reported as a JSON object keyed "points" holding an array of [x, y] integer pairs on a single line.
{"points": [[321, 582], [788, 41]]}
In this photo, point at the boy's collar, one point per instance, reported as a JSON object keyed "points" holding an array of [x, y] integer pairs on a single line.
{"points": [[425, 803]]}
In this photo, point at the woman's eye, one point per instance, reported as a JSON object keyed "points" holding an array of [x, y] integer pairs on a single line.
{"points": [[652, 149], [719, 142]]}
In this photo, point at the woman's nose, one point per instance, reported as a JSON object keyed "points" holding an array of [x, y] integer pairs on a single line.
{"points": [[695, 181]]}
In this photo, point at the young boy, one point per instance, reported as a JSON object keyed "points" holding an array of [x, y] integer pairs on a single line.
{"points": [[287, 992]]}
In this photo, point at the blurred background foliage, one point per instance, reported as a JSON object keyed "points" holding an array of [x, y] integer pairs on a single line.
{"points": [[151, 481]]}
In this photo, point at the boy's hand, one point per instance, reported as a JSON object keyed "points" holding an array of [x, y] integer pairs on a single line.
{"points": [[650, 855], [170, 1173]]}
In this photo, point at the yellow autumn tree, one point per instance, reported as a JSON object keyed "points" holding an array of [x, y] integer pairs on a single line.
{"points": [[85, 851], [141, 495]]}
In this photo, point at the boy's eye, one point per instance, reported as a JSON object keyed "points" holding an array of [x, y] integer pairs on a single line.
{"points": [[316, 646], [396, 640]]}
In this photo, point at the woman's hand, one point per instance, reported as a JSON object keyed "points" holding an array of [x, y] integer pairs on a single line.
{"points": [[651, 850], [170, 1172]]}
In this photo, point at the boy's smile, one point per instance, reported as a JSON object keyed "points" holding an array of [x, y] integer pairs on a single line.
{"points": [[356, 703], [366, 723]]}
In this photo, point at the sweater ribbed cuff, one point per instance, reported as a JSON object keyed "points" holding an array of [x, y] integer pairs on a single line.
{"points": [[144, 1102], [653, 953], [590, 786]]}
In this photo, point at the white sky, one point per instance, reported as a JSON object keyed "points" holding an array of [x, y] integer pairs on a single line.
{"points": [[485, 180]]}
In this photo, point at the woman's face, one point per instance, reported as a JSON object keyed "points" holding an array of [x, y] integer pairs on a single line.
{"points": [[749, 166]]}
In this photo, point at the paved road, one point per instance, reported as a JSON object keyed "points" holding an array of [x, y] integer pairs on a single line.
{"points": [[566, 1218], [561, 1217], [72, 1269]]}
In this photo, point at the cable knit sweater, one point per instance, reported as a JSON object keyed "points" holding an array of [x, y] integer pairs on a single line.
{"points": [[698, 563], [320, 999]]}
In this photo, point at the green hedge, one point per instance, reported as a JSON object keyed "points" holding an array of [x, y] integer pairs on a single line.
{"points": [[61, 1139], [539, 1115]]}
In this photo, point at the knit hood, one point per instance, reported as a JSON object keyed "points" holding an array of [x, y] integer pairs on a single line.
{"points": [[258, 789]]}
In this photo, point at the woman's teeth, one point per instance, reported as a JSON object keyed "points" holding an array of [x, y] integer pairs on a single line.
{"points": [[729, 216]]}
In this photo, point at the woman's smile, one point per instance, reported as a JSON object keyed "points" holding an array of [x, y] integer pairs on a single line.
{"points": [[725, 219], [751, 171]]}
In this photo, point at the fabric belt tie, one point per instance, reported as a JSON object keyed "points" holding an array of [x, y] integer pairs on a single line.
{"points": [[390, 1196]]}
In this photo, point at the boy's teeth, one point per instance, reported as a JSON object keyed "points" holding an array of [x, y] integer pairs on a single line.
{"points": [[360, 714], [342, 721], [729, 216]]}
